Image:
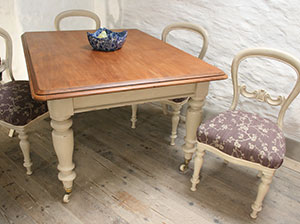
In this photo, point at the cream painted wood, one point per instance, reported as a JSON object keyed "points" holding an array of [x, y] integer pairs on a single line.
{"points": [[262, 95], [133, 115], [175, 121], [11, 133], [109, 100], [21, 130], [193, 120], [25, 147], [264, 173], [76, 13], [7, 62], [62, 110], [164, 108], [177, 106], [63, 141]]}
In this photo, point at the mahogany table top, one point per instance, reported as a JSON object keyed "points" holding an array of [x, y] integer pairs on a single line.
{"points": [[62, 64]]}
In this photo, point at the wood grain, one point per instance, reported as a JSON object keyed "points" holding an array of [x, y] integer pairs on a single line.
{"points": [[63, 64], [131, 176]]}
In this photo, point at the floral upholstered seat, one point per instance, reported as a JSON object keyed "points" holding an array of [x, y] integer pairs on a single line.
{"points": [[16, 105], [18, 111], [246, 136], [177, 103]]}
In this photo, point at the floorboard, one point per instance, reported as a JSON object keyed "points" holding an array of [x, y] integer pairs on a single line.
{"points": [[129, 176]]}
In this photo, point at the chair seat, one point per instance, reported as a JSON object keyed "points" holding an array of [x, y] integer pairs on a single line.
{"points": [[16, 104], [246, 136], [178, 100]]}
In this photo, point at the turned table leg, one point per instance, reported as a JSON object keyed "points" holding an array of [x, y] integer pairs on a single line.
{"points": [[193, 120], [63, 142]]}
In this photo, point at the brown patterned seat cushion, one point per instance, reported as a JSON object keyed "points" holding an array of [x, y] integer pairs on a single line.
{"points": [[179, 100], [246, 136], [16, 105]]}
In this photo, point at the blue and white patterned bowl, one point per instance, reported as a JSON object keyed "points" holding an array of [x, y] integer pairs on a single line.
{"points": [[112, 42]]}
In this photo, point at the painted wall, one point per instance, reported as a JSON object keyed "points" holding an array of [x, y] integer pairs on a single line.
{"points": [[232, 26]]}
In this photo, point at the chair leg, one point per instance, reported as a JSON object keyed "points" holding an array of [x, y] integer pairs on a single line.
{"points": [[25, 147], [197, 167], [263, 189], [259, 174], [11, 133], [133, 115], [175, 121], [164, 108]]}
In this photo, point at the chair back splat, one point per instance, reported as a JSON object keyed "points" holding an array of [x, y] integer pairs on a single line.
{"points": [[244, 138], [262, 95]]}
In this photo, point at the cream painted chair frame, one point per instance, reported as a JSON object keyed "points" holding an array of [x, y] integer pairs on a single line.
{"points": [[76, 13], [21, 130], [176, 106], [265, 173]]}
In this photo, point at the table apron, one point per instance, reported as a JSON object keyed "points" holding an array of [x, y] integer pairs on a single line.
{"points": [[110, 100]]}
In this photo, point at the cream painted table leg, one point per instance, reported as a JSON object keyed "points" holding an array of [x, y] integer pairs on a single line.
{"points": [[63, 141], [193, 120]]}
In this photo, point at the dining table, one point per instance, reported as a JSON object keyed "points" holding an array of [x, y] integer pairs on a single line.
{"points": [[65, 71]]}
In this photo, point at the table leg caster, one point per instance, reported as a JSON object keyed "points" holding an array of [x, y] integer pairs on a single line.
{"points": [[67, 196], [183, 167]]}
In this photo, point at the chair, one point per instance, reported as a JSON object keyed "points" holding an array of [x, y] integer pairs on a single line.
{"points": [[176, 104], [245, 138], [76, 13], [18, 111]]}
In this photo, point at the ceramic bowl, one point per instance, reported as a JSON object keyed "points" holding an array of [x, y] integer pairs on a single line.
{"points": [[111, 42]]}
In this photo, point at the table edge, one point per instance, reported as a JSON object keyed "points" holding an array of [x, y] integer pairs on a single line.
{"points": [[42, 95]]}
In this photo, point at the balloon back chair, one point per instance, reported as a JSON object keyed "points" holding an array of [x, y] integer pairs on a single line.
{"points": [[18, 111], [177, 103], [76, 13], [245, 138]]}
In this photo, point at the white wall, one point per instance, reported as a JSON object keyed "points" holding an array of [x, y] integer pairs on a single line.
{"points": [[232, 26], [18, 16]]}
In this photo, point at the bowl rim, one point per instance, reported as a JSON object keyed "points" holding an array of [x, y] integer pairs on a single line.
{"points": [[122, 34]]}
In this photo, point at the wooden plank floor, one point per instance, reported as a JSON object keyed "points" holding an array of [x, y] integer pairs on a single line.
{"points": [[131, 176]]}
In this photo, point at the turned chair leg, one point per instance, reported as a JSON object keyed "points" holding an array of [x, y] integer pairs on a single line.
{"points": [[263, 189], [197, 167], [133, 115], [164, 108], [11, 133], [259, 174], [175, 121], [25, 147]]}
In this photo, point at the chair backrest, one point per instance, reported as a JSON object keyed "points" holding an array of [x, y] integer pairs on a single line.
{"points": [[261, 95], [7, 62], [76, 13], [191, 27]]}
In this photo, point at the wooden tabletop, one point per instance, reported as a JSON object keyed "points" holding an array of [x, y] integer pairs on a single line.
{"points": [[62, 64]]}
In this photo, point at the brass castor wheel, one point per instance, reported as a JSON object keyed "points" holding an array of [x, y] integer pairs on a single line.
{"points": [[67, 195], [183, 167]]}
